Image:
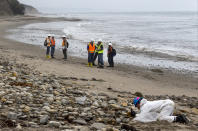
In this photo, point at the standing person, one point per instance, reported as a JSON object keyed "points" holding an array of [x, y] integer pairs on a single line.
{"points": [[48, 44], [91, 49], [100, 50], [156, 110], [52, 46], [65, 45], [95, 55], [111, 52]]}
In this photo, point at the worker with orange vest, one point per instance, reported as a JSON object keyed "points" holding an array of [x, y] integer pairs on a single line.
{"points": [[91, 49], [65, 45], [52, 46], [48, 44]]}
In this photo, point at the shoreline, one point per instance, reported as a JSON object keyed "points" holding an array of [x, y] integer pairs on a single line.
{"points": [[52, 94], [158, 80]]}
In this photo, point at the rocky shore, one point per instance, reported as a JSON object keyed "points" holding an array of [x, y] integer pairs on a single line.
{"points": [[31, 100]]}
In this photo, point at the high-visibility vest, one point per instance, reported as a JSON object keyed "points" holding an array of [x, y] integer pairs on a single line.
{"points": [[99, 49], [48, 42], [96, 48], [92, 48], [53, 42], [64, 43]]}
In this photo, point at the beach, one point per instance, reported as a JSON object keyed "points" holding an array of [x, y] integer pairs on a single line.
{"points": [[122, 77], [122, 80]]}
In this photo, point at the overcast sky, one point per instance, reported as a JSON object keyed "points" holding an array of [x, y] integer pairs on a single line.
{"points": [[63, 6]]}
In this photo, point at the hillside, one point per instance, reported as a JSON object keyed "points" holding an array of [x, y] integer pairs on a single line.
{"points": [[29, 10], [11, 7]]}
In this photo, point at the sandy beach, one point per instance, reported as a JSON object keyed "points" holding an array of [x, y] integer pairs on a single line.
{"points": [[122, 77], [54, 81]]}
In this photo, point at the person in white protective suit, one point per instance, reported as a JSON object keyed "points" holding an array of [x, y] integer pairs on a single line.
{"points": [[156, 110]]}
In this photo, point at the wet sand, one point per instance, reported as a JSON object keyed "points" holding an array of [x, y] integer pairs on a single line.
{"points": [[122, 78]]}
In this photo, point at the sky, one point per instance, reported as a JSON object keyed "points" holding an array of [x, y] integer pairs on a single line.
{"points": [[64, 6]]}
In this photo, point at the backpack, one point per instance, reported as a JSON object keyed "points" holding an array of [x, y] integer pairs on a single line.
{"points": [[113, 52], [45, 43]]}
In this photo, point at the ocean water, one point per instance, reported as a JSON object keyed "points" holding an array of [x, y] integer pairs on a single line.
{"points": [[151, 40]]}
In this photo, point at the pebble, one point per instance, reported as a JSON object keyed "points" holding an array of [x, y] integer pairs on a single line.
{"points": [[54, 124], [80, 121], [44, 119]]}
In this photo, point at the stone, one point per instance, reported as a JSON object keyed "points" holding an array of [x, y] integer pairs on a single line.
{"points": [[112, 102], [12, 78], [54, 124], [195, 111], [98, 126], [12, 116], [2, 84], [81, 100], [44, 119], [26, 109], [80, 121]]}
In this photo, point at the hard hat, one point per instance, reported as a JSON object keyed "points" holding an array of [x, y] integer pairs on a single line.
{"points": [[100, 40], [92, 39], [63, 36], [48, 35], [110, 44], [137, 100]]}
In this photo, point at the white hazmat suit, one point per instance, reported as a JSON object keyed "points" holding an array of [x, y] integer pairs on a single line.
{"points": [[156, 110]]}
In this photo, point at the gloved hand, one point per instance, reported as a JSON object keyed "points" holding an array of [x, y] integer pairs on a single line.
{"points": [[133, 113]]}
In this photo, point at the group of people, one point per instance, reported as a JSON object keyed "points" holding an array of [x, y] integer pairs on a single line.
{"points": [[50, 43], [94, 51]]}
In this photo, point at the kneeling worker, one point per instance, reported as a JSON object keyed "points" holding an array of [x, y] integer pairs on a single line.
{"points": [[91, 49], [156, 110]]}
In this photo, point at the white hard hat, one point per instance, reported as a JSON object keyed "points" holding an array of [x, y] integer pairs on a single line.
{"points": [[52, 35], [92, 39], [100, 40], [63, 36], [110, 44], [49, 35]]}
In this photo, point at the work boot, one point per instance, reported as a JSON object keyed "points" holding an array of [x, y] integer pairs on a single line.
{"points": [[94, 64], [91, 64], [88, 64], [181, 119]]}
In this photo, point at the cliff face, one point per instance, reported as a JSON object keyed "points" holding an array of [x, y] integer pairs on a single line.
{"points": [[29, 10], [11, 7], [5, 8]]}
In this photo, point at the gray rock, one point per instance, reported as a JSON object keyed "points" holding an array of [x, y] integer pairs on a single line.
{"points": [[98, 126], [54, 124], [44, 119], [81, 100], [12, 116], [112, 102], [80, 121]]}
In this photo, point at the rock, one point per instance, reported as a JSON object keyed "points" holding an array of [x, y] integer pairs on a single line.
{"points": [[14, 74], [26, 109], [98, 126], [195, 111], [2, 84], [12, 78], [54, 124], [118, 120], [12, 116], [128, 127], [112, 102], [44, 119], [138, 94], [80, 121], [81, 100], [19, 127]]}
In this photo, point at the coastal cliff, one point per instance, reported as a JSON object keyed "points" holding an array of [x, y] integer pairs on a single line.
{"points": [[13, 7]]}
